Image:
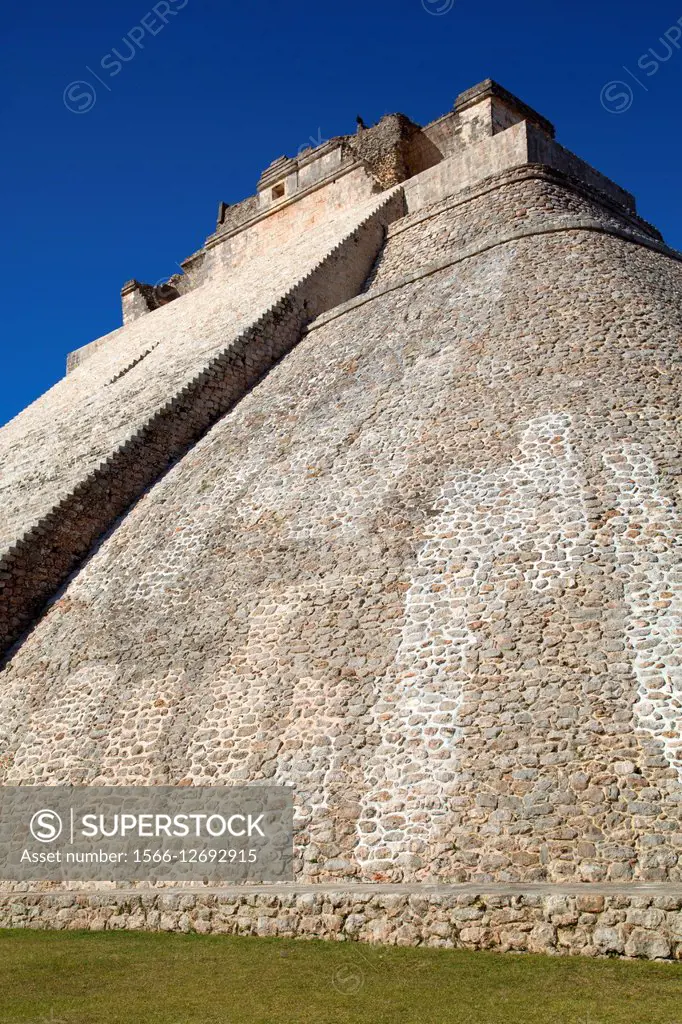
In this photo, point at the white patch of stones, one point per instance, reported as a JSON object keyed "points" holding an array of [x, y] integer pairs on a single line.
{"points": [[647, 537], [532, 507]]}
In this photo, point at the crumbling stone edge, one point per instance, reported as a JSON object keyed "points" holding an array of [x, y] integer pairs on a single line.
{"points": [[644, 926], [42, 559]]}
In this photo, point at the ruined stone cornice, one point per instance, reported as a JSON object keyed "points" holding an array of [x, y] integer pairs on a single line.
{"points": [[220, 236], [489, 89], [277, 171]]}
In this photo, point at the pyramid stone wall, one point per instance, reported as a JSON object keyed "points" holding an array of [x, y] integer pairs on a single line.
{"points": [[430, 607], [70, 467], [517, 200], [427, 572]]}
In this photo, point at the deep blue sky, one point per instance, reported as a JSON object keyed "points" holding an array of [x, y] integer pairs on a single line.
{"points": [[130, 187]]}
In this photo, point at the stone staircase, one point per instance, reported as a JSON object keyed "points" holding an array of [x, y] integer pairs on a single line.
{"points": [[34, 566]]}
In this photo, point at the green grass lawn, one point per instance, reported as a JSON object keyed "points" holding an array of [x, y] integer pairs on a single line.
{"points": [[135, 978]]}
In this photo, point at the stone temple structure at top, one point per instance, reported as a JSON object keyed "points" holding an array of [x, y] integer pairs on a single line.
{"points": [[378, 499]]}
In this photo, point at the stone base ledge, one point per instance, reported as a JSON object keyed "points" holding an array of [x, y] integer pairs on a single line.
{"points": [[642, 921]]}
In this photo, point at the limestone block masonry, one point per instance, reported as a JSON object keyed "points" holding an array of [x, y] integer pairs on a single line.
{"points": [[383, 505], [41, 558], [589, 923]]}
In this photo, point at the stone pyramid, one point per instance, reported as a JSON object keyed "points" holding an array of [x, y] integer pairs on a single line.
{"points": [[380, 499]]}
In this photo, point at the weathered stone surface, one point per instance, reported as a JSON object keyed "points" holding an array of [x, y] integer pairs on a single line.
{"points": [[426, 571], [60, 501], [647, 944], [357, 916]]}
